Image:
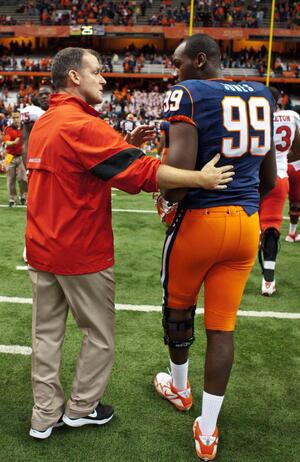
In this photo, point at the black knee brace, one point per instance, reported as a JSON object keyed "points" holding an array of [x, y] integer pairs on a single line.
{"points": [[173, 326], [268, 248]]}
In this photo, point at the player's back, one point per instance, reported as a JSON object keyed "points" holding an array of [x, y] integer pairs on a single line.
{"points": [[232, 119], [286, 123]]}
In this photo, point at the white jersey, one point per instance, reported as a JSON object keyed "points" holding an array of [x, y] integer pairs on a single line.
{"points": [[285, 125], [31, 114]]}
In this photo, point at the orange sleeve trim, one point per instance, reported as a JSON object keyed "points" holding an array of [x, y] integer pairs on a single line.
{"points": [[181, 118], [191, 98]]}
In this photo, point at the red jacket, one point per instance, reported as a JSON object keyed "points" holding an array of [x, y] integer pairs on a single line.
{"points": [[74, 158]]}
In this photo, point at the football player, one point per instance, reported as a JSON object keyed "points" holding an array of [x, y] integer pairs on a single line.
{"points": [[29, 115], [286, 136], [214, 237]]}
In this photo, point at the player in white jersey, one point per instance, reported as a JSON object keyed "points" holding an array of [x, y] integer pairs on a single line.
{"points": [[286, 137], [29, 115]]}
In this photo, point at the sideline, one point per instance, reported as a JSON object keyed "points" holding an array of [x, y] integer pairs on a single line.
{"points": [[154, 308]]}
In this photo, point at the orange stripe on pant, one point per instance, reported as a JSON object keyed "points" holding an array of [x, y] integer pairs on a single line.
{"points": [[271, 207], [217, 247]]}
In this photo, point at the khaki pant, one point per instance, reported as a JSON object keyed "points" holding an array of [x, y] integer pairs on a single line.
{"points": [[16, 171], [91, 300]]}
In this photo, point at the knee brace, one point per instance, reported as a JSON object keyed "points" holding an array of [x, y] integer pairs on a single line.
{"points": [[268, 248], [174, 328]]}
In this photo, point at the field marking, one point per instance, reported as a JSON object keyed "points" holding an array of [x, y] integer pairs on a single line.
{"points": [[154, 308], [22, 268], [16, 349], [114, 210]]}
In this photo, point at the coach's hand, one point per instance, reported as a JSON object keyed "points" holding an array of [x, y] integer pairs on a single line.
{"points": [[140, 135], [216, 177]]}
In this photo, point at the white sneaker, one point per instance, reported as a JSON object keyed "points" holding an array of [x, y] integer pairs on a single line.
{"points": [[42, 435], [181, 399], [268, 288]]}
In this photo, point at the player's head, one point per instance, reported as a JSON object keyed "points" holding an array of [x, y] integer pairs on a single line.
{"points": [[276, 96], [198, 57], [16, 119], [77, 70], [43, 96]]}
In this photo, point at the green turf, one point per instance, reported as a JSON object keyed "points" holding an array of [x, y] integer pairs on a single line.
{"points": [[260, 417]]}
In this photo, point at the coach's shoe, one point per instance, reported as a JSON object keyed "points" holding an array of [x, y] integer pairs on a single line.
{"points": [[292, 237], [100, 416], [206, 445], [268, 288], [181, 399], [11, 203], [46, 433], [22, 200]]}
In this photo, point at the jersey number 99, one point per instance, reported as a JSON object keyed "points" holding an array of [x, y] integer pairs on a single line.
{"points": [[239, 117]]}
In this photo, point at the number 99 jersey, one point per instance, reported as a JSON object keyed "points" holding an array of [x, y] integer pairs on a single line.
{"points": [[235, 120]]}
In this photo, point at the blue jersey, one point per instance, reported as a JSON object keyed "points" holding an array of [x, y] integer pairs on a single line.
{"points": [[235, 120]]}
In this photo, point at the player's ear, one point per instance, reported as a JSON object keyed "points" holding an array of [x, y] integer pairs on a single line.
{"points": [[201, 60], [74, 76]]}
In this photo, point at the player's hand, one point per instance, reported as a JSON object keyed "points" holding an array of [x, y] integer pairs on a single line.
{"points": [[140, 135], [216, 177]]}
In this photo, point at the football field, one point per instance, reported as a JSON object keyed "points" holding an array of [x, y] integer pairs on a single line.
{"points": [[259, 420]]}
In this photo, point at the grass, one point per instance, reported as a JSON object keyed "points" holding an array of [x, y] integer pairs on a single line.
{"points": [[260, 416]]}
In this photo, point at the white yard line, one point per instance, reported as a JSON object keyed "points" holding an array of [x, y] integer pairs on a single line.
{"points": [[114, 210], [22, 268], [154, 308], [16, 349]]}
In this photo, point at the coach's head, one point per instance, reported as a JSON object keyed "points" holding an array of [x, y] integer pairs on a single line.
{"points": [[77, 71]]}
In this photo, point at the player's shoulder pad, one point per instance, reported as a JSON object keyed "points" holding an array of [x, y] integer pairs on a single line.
{"points": [[31, 113], [179, 102]]}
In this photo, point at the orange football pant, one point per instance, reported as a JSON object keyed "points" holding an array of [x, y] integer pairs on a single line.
{"points": [[271, 207], [217, 246]]}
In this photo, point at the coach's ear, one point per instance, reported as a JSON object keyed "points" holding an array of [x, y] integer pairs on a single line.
{"points": [[74, 77]]}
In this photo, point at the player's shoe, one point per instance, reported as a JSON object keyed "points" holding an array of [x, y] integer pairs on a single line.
{"points": [[42, 435], [206, 445], [268, 288], [292, 237], [181, 399]]}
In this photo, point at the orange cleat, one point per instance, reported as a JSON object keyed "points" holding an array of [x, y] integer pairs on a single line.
{"points": [[181, 399], [206, 445]]}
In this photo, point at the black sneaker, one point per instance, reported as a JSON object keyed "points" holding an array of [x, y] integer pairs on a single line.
{"points": [[11, 203], [100, 416], [22, 201], [46, 433]]}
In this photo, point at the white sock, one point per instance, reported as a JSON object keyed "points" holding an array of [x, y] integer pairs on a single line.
{"points": [[180, 374], [293, 228], [211, 406]]}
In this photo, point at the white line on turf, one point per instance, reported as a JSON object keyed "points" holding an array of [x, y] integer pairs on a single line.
{"points": [[153, 308], [22, 268], [114, 210], [16, 349]]}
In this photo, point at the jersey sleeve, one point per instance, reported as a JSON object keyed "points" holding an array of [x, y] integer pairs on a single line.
{"points": [[31, 114], [179, 105]]}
